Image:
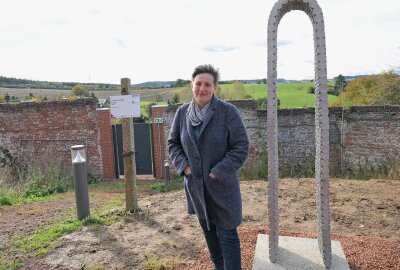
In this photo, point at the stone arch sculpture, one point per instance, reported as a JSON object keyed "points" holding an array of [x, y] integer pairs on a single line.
{"points": [[314, 12]]}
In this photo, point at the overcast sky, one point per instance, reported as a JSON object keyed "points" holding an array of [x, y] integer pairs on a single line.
{"points": [[154, 40]]}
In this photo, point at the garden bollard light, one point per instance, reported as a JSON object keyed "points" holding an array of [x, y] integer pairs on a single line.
{"points": [[80, 180], [166, 166]]}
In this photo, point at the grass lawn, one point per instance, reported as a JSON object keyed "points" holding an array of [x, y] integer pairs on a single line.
{"points": [[291, 95]]}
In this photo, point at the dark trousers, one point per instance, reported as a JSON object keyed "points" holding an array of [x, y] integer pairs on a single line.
{"points": [[224, 247]]}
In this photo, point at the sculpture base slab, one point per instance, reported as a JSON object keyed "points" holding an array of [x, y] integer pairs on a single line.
{"points": [[297, 253]]}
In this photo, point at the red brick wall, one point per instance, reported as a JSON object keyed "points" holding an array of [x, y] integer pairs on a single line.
{"points": [[38, 132], [362, 136], [159, 147], [106, 142]]}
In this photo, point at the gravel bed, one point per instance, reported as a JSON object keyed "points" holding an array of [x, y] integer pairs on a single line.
{"points": [[362, 252]]}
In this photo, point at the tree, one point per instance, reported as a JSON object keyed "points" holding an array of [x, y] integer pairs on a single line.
{"points": [[79, 90], [238, 91], [181, 83], [159, 98], [175, 99], [381, 89], [185, 94], [148, 109], [219, 93], [7, 97], [2, 99], [340, 84]]}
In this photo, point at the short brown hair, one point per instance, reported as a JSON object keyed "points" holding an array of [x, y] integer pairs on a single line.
{"points": [[206, 69]]}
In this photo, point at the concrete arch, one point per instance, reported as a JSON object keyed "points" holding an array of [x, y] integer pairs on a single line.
{"points": [[314, 12]]}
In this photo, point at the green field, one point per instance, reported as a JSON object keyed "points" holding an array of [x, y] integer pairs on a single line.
{"points": [[291, 95]]}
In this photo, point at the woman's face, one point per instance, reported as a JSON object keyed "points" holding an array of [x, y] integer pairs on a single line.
{"points": [[203, 88]]}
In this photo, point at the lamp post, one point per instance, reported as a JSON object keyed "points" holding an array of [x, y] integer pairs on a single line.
{"points": [[166, 166], [78, 155]]}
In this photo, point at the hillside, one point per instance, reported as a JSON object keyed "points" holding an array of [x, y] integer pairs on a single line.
{"points": [[31, 84]]}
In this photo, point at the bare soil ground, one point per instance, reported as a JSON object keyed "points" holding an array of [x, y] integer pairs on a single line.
{"points": [[365, 218]]}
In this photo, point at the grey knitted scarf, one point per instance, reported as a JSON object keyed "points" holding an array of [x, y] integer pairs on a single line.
{"points": [[197, 115]]}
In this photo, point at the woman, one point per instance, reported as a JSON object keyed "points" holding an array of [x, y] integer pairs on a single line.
{"points": [[208, 144]]}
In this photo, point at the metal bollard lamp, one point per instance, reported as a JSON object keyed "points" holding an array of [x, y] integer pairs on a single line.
{"points": [[78, 155], [166, 166]]}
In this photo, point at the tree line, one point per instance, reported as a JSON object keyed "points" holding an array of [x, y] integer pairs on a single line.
{"points": [[24, 83]]}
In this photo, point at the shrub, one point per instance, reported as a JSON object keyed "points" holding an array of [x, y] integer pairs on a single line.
{"points": [[42, 184], [5, 200], [160, 187]]}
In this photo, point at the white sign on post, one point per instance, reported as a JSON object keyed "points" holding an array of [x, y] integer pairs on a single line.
{"points": [[127, 106]]}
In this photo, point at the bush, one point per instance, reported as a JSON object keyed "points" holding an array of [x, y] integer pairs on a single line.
{"points": [[42, 184], [383, 170], [175, 183], [5, 200], [92, 220], [160, 187], [92, 179]]}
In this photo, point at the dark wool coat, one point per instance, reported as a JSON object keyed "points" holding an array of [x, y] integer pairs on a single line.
{"points": [[221, 149]]}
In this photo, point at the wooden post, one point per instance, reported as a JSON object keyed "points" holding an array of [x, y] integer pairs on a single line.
{"points": [[129, 156]]}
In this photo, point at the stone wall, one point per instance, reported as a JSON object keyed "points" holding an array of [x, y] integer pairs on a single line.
{"points": [[43, 132], [360, 136]]}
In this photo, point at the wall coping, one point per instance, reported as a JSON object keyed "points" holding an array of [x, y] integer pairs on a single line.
{"points": [[47, 104], [296, 111]]}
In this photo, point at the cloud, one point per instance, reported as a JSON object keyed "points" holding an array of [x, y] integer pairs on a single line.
{"points": [[220, 48], [120, 43], [58, 22], [260, 44], [94, 12], [284, 42], [280, 43]]}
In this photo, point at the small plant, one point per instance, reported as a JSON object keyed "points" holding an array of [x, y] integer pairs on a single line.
{"points": [[160, 264], [13, 170], [43, 241], [44, 183], [383, 170], [160, 187], [394, 171], [96, 267], [296, 170], [5, 200], [255, 172], [92, 220], [16, 264], [92, 179], [175, 183]]}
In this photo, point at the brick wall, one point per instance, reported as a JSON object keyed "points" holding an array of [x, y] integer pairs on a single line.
{"points": [[371, 135], [159, 141], [359, 136], [106, 143], [43, 132]]}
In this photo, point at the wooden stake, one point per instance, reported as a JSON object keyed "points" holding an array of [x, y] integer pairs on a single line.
{"points": [[129, 156]]}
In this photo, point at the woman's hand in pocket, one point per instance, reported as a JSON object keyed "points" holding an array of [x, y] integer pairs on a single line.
{"points": [[187, 171], [211, 175]]}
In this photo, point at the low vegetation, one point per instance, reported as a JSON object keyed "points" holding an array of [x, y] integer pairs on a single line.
{"points": [[381, 89], [25, 184]]}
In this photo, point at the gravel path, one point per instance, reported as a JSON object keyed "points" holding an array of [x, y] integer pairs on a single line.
{"points": [[362, 252]]}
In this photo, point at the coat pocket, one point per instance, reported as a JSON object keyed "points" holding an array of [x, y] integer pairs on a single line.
{"points": [[215, 182]]}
